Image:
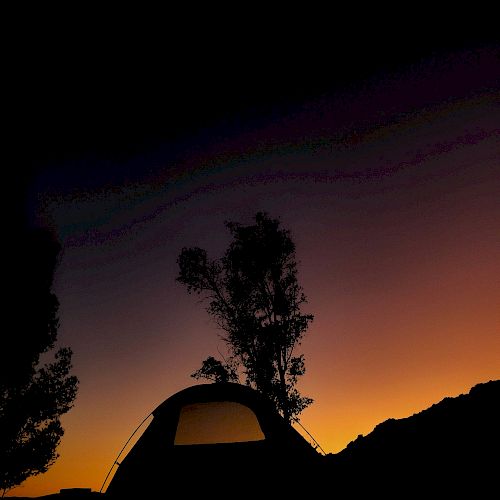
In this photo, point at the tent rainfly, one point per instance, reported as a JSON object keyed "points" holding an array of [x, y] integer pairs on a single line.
{"points": [[213, 439]]}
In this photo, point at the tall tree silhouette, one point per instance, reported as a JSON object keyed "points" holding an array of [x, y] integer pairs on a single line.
{"points": [[255, 298], [33, 396]]}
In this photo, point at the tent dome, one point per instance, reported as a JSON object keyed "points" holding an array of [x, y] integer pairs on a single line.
{"points": [[207, 435]]}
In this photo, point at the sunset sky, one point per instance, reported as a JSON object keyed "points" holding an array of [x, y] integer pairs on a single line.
{"points": [[389, 181]]}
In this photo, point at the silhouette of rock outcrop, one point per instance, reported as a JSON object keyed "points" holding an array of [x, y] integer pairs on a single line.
{"points": [[453, 445]]}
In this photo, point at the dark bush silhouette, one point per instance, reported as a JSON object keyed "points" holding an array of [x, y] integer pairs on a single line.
{"points": [[32, 396]]}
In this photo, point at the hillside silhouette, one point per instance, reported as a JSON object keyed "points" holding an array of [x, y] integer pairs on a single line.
{"points": [[453, 445]]}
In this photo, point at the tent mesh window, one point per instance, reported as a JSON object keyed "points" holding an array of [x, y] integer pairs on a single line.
{"points": [[217, 422]]}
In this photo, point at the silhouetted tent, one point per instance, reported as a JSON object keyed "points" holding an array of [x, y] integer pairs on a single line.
{"points": [[208, 438]]}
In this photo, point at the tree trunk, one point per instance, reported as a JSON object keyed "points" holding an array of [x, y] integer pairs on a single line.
{"points": [[284, 395]]}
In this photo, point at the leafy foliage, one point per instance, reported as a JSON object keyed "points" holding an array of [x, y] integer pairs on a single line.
{"points": [[33, 396], [253, 294], [216, 371]]}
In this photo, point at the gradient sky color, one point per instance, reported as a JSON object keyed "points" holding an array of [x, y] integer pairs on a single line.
{"points": [[391, 191]]}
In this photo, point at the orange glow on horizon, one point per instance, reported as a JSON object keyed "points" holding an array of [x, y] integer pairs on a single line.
{"points": [[401, 275]]}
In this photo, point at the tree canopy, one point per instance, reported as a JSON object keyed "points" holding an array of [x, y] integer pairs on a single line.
{"points": [[33, 395], [254, 296]]}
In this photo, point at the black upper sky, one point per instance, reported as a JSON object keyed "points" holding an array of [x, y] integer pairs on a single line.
{"points": [[85, 107], [80, 95]]}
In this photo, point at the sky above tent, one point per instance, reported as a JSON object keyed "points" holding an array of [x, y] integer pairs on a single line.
{"points": [[389, 184]]}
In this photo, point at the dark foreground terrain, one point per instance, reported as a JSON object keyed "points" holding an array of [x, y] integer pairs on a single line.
{"points": [[453, 447]]}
